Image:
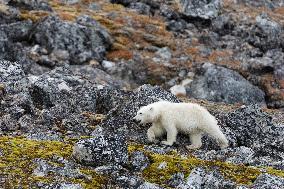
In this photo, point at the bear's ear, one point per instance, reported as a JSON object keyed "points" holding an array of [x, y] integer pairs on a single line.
{"points": [[151, 109]]}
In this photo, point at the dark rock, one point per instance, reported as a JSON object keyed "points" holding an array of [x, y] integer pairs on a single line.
{"points": [[83, 40], [102, 150], [201, 8], [31, 4], [17, 31], [266, 181], [220, 84], [139, 161], [123, 2]]}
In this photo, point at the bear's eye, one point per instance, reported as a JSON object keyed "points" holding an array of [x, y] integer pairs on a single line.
{"points": [[140, 113]]}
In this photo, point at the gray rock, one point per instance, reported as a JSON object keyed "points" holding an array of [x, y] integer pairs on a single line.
{"points": [[141, 8], [237, 155], [15, 98], [97, 76], [266, 181], [254, 128], [262, 3], [200, 178], [194, 180], [266, 34], [139, 161], [17, 31], [163, 55], [83, 40], [201, 8], [148, 185], [220, 84], [101, 150], [175, 180]]}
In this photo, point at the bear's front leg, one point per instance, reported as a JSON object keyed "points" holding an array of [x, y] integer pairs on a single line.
{"points": [[171, 135], [151, 135]]}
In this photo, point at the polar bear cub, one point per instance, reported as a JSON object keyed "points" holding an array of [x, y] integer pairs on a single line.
{"points": [[171, 118]]}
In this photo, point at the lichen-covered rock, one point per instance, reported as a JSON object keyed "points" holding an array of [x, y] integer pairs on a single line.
{"points": [[200, 178], [266, 34], [265, 181], [84, 40], [15, 98], [220, 84], [62, 92], [203, 9], [254, 128], [139, 161], [102, 150]]}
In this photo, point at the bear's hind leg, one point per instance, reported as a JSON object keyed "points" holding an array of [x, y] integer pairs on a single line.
{"points": [[195, 139], [217, 134]]}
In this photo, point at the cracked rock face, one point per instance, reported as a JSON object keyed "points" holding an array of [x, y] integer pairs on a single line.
{"points": [[215, 83], [81, 40]]}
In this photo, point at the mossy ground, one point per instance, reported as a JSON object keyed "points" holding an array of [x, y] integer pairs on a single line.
{"points": [[17, 163], [238, 173]]}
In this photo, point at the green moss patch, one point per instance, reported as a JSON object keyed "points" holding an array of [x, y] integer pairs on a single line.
{"points": [[17, 162], [238, 173]]}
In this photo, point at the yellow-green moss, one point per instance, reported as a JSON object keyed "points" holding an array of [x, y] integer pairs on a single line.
{"points": [[239, 173], [18, 154]]}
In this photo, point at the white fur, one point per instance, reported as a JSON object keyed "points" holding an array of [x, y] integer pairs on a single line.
{"points": [[171, 118]]}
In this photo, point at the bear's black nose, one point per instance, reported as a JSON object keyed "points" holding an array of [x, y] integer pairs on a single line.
{"points": [[136, 121]]}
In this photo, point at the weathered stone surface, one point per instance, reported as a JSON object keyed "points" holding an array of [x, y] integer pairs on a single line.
{"points": [[203, 9], [265, 181], [219, 84], [84, 40], [101, 150], [139, 161]]}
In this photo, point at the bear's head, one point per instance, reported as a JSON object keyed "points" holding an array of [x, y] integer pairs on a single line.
{"points": [[146, 114]]}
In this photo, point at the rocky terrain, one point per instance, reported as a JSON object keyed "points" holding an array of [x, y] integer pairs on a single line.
{"points": [[73, 74]]}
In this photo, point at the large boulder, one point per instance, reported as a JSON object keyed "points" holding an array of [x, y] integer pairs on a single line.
{"points": [[219, 84], [83, 41], [201, 8]]}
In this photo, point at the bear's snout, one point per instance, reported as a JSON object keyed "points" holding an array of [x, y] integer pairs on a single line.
{"points": [[136, 120]]}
